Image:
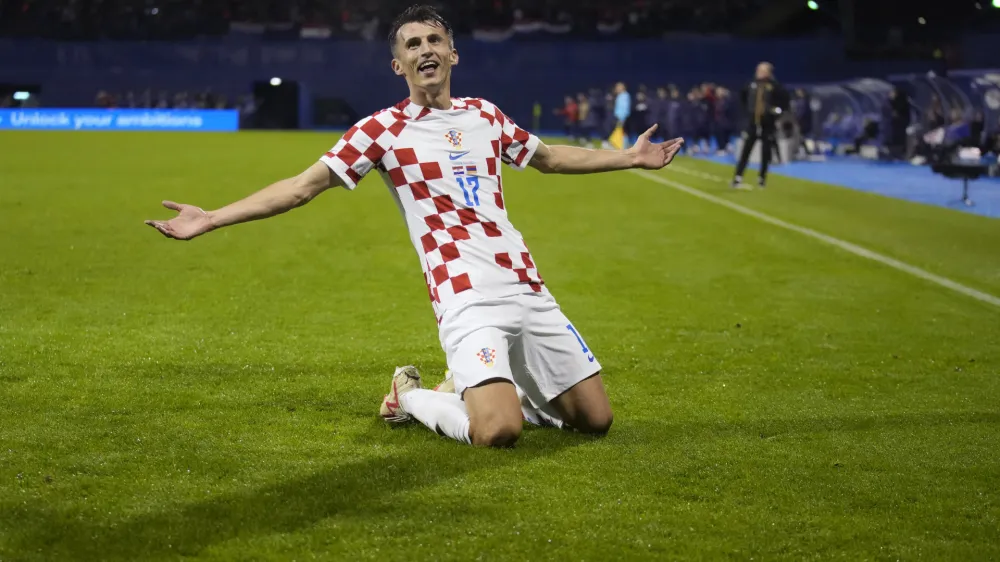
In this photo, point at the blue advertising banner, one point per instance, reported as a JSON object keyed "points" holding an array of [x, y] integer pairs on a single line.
{"points": [[120, 119]]}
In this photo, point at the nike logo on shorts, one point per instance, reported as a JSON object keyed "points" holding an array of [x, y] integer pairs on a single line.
{"points": [[590, 358]]}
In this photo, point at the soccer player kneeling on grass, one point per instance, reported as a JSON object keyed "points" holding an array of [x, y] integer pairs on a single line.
{"points": [[512, 353]]}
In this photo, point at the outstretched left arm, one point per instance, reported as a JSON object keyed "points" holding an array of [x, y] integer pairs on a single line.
{"points": [[561, 159]]}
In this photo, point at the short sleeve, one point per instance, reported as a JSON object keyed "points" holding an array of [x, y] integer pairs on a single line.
{"points": [[517, 146], [362, 147]]}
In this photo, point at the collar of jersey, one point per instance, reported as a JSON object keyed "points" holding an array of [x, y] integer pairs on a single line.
{"points": [[415, 111]]}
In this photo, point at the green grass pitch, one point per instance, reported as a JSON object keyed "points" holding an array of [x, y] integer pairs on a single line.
{"points": [[775, 397]]}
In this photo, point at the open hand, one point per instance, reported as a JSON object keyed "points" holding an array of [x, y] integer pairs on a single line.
{"points": [[653, 156], [190, 221]]}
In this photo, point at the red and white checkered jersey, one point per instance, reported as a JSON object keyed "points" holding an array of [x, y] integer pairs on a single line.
{"points": [[443, 169]]}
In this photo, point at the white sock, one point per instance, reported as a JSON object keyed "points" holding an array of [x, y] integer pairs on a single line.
{"points": [[443, 412], [533, 415]]}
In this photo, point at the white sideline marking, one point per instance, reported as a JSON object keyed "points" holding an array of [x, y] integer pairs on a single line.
{"points": [[843, 245]]}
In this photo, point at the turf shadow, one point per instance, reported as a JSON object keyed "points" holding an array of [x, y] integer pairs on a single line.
{"points": [[353, 489]]}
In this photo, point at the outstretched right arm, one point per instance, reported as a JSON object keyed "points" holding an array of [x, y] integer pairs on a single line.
{"points": [[273, 200]]}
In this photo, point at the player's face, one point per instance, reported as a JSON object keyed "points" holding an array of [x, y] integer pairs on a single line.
{"points": [[424, 55]]}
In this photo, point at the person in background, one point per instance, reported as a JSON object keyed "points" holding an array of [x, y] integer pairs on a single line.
{"points": [[247, 106], [802, 112], [764, 99], [688, 119], [725, 119], [586, 122], [104, 100], [163, 100], [639, 120], [869, 132], [598, 110], [958, 132], [569, 113], [708, 101], [976, 129], [934, 117], [699, 122], [660, 108], [181, 101], [992, 143], [675, 114], [899, 116], [608, 124], [623, 107]]}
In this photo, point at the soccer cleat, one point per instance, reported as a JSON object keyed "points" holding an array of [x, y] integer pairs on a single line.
{"points": [[447, 385], [404, 380], [761, 183], [737, 182]]}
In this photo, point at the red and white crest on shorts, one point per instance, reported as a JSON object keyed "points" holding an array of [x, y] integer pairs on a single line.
{"points": [[488, 356], [450, 193]]}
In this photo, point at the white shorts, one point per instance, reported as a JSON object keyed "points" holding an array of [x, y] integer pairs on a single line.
{"points": [[525, 339]]}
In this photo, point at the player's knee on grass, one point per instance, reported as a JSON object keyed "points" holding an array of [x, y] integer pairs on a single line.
{"points": [[585, 407], [496, 433], [494, 414], [593, 423]]}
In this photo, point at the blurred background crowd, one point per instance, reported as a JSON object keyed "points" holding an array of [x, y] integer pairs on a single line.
{"points": [[180, 19], [559, 59]]}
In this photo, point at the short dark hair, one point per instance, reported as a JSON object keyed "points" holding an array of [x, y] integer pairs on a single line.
{"points": [[418, 13]]}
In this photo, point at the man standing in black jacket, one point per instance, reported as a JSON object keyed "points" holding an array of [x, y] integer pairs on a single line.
{"points": [[764, 100]]}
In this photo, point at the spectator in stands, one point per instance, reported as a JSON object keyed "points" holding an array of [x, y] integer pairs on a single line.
{"points": [[104, 100], [163, 100]]}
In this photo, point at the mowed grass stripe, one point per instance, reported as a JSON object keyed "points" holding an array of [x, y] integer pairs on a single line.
{"points": [[847, 246], [950, 243]]}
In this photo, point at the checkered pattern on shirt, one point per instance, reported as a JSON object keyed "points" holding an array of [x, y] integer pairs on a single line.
{"points": [[511, 144], [363, 145], [456, 242], [523, 266]]}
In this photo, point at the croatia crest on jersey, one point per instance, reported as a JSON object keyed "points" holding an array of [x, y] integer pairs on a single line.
{"points": [[454, 138], [488, 356]]}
